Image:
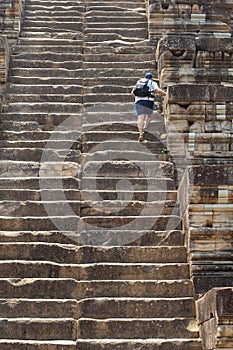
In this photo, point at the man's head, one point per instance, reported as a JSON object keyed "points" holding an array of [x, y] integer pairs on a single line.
{"points": [[149, 75]]}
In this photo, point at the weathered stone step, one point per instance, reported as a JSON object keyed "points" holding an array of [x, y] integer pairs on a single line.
{"points": [[103, 65], [137, 328], [47, 47], [115, 15], [44, 80], [38, 329], [157, 223], [35, 195], [53, 236], [49, 107], [31, 308], [115, 25], [148, 195], [47, 54], [33, 98], [141, 170], [24, 154], [100, 37], [74, 24], [131, 344], [50, 63], [48, 43], [95, 271], [138, 8], [59, 135], [64, 16], [48, 72], [117, 72], [129, 235], [59, 144], [119, 56], [141, 238], [41, 119], [49, 288], [115, 64], [110, 183], [124, 208], [53, 3], [68, 253], [125, 32], [30, 208], [45, 89], [34, 183], [141, 48], [145, 308], [153, 143], [37, 345], [53, 8], [71, 220]]}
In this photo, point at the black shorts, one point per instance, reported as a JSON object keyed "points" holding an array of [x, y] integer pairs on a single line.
{"points": [[144, 107]]}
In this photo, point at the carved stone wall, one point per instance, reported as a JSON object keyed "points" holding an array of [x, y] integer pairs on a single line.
{"points": [[194, 60], [10, 23]]}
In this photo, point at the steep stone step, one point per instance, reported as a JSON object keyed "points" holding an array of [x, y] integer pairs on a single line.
{"points": [[48, 107], [103, 65], [124, 32], [129, 235], [34, 183], [54, 46], [118, 56], [59, 144], [75, 24], [47, 72], [52, 288], [100, 37], [47, 43], [70, 221], [59, 135], [139, 238], [24, 154], [97, 271], [137, 328], [33, 168], [157, 223], [50, 63], [125, 195], [115, 25], [141, 169], [37, 345], [68, 253], [93, 183], [130, 344], [38, 329], [45, 89], [46, 98], [53, 236], [137, 308], [44, 80], [31, 308], [124, 208], [52, 120], [114, 14]]}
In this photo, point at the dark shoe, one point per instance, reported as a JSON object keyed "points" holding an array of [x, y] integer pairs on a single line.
{"points": [[140, 138]]}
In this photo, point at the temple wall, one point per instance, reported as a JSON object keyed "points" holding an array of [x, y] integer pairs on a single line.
{"points": [[194, 62], [10, 23]]}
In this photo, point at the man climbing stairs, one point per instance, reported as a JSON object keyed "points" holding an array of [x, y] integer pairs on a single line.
{"points": [[92, 247]]}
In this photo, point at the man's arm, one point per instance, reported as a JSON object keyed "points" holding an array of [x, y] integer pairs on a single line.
{"points": [[160, 92]]}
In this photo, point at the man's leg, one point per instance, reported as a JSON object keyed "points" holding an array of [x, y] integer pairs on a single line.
{"points": [[141, 120], [147, 121]]}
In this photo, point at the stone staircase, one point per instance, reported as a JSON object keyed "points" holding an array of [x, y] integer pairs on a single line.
{"points": [[92, 247]]}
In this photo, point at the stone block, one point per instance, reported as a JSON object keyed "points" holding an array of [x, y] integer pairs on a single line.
{"points": [[215, 311]]}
